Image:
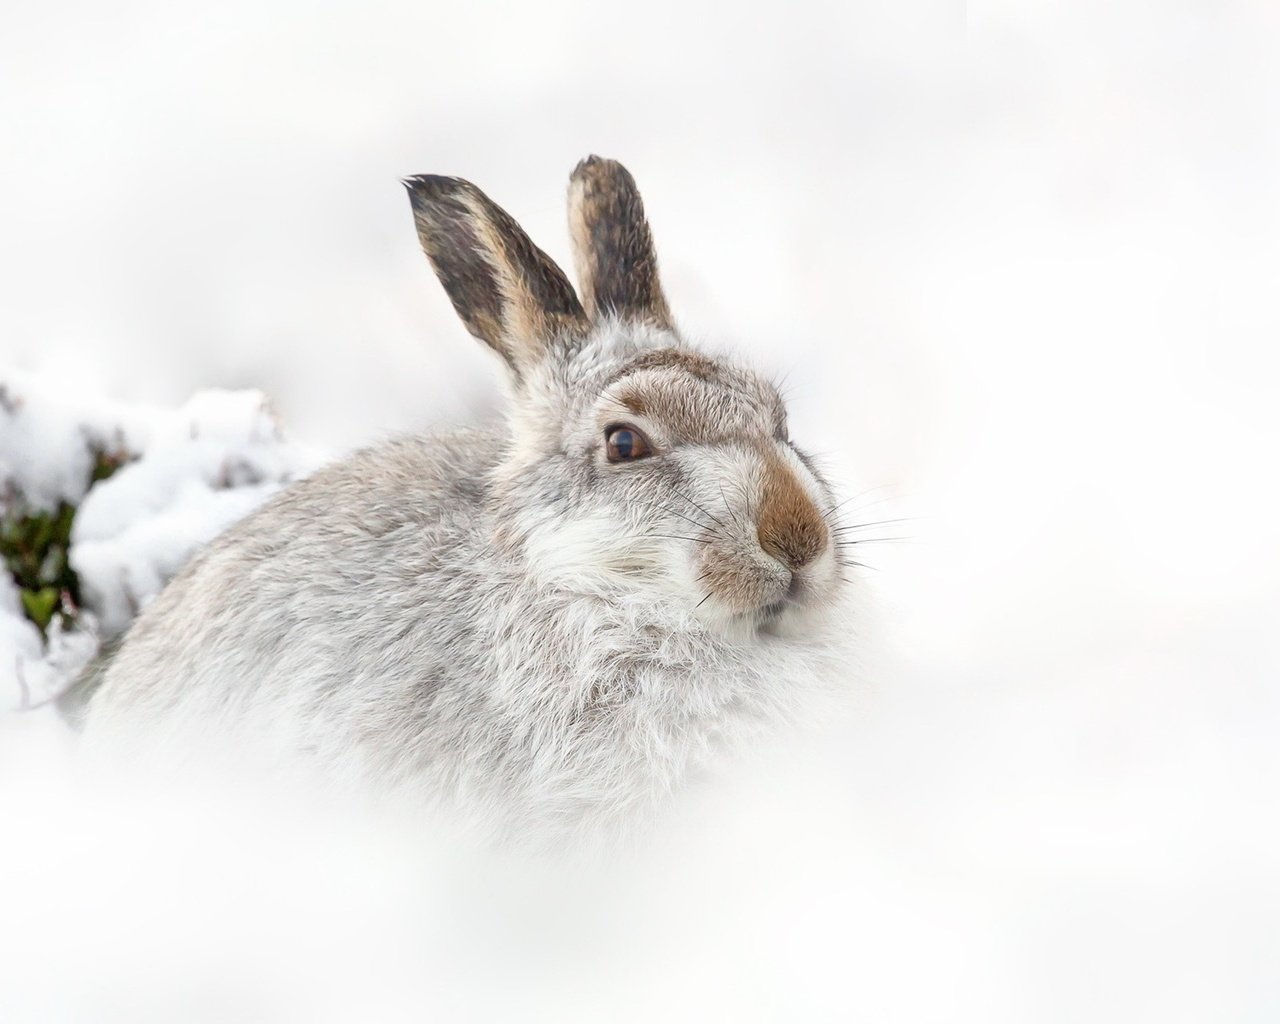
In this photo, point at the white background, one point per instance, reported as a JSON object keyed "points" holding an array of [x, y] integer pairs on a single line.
{"points": [[1018, 265]]}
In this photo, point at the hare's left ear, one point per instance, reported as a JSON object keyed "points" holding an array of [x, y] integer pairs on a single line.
{"points": [[612, 247]]}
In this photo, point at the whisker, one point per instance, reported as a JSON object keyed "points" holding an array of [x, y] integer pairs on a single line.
{"points": [[671, 511], [852, 497], [878, 522], [728, 508], [703, 601], [878, 501], [695, 504], [835, 508]]}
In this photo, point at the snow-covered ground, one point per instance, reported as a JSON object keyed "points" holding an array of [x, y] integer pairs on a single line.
{"points": [[1018, 266]]}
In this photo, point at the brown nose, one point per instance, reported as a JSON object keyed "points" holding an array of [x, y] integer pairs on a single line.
{"points": [[790, 527]]}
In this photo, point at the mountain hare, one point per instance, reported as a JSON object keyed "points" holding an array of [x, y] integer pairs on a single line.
{"points": [[548, 624]]}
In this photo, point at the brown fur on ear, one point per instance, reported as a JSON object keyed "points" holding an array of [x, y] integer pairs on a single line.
{"points": [[612, 245], [508, 292]]}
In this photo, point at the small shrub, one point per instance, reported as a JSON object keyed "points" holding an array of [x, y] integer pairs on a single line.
{"points": [[35, 546]]}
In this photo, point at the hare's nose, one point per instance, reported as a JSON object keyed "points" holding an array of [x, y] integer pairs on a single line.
{"points": [[790, 527]]}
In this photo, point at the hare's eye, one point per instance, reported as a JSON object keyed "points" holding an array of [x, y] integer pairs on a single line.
{"points": [[625, 444]]}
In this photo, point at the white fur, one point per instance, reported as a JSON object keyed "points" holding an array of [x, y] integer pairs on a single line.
{"points": [[498, 622]]}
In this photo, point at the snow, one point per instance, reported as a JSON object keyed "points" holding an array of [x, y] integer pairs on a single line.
{"points": [[192, 471], [33, 670], [1018, 265]]}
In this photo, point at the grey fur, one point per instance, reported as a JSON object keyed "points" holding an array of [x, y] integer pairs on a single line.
{"points": [[501, 620]]}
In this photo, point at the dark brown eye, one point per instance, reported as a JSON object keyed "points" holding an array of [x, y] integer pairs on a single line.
{"points": [[625, 444]]}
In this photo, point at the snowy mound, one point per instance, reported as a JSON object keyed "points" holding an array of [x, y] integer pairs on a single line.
{"points": [[183, 476]]}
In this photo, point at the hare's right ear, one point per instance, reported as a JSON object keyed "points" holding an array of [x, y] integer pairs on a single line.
{"points": [[508, 292]]}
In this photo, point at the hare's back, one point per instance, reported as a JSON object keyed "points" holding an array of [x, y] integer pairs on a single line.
{"points": [[331, 582], [432, 483]]}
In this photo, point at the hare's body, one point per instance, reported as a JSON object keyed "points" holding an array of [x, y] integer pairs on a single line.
{"points": [[516, 622], [363, 620]]}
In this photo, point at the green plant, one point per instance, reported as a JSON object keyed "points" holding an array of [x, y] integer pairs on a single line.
{"points": [[35, 546]]}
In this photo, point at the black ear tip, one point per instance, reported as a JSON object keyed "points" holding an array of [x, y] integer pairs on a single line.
{"points": [[428, 189], [599, 168]]}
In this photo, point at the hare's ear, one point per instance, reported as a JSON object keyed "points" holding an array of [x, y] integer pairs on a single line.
{"points": [[507, 291], [612, 246]]}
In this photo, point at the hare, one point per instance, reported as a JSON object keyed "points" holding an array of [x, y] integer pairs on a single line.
{"points": [[546, 624]]}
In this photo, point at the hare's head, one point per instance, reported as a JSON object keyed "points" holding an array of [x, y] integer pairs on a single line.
{"points": [[637, 466]]}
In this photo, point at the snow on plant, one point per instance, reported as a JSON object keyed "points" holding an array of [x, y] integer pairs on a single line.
{"points": [[101, 503]]}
